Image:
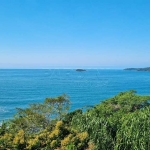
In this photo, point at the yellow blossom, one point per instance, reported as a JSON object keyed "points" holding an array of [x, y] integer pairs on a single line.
{"points": [[58, 124], [82, 136], [91, 146], [6, 136], [66, 140], [19, 137], [53, 143], [55, 132], [32, 142]]}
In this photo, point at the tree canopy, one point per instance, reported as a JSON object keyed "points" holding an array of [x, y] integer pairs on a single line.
{"points": [[118, 123]]}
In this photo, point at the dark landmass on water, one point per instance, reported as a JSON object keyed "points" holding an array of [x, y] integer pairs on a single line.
{"points": [[80, 70], [139, 69]]}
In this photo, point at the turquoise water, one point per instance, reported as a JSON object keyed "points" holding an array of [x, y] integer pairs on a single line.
{"points": [[18, 88]]}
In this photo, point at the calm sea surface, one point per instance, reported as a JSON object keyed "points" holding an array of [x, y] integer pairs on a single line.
{"points": [[18, 88]]}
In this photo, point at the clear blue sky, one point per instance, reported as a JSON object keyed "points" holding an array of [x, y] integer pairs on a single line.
{"points": [[70, 33]]}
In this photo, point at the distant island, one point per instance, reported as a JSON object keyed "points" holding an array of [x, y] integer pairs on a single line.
{"points": [[139, 69], [80, 70]]}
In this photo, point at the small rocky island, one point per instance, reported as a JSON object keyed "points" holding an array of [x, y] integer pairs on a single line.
{"points": [[139, 69], [80, 70]]}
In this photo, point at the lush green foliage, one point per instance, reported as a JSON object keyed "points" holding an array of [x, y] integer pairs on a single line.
{"points": [[118, 123]]}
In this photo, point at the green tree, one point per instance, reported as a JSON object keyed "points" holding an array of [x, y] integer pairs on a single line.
{"points": [[39, 116], [118, 123], [106, 123]]}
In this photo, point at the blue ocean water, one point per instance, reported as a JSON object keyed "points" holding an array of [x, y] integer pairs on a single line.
{"points": [[21, 87]]}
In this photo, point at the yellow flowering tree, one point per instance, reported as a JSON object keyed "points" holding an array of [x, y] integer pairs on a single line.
{"points": [[19, 140], [6, 141]]}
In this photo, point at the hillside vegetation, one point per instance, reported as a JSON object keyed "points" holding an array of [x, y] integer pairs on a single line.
{"points": [[118, 123]]}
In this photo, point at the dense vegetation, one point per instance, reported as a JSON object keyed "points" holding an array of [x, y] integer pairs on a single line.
{"points": [[118, 123]]}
